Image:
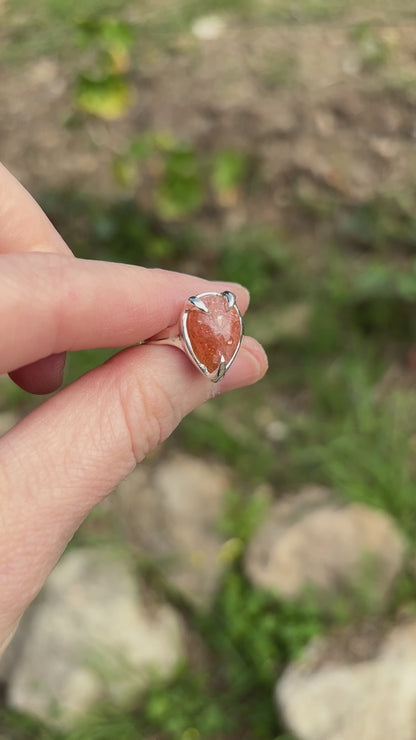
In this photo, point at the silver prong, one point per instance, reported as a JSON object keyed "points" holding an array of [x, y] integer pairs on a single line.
{"points": [[221, 370], [198, 303], [231, 299]]}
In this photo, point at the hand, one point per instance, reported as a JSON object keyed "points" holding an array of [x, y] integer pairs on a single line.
{"points": [[68, 454]]}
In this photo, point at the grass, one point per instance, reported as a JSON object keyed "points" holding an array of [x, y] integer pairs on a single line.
{"points": [[340, 384], [348, 426], [50, 31], [307, 11], [374, 52], [362, 448]]}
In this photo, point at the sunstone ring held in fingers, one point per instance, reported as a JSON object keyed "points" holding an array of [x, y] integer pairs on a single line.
{"points": [[209, 331]]}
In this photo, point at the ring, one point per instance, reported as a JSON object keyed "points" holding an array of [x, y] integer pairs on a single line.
{"points": [[209, 330]]}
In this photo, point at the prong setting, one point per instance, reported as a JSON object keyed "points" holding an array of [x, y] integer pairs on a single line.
{"points": [[210, 339], [230, 298], [198, 303], [222, 369]]}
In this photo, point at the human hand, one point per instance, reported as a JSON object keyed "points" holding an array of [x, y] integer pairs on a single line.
{"points": [[68, 454]]}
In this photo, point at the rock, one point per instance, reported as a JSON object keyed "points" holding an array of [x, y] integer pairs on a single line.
{"points": [[91, 638], [208, 27], [371, 699], [385, 146], [311, 539], [171, 513]]}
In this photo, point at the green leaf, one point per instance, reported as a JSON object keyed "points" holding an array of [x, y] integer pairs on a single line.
{"points": [[181, 191], [229, 169], [107, 97]]}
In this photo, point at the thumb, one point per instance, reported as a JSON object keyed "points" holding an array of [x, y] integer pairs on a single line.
{"points": [[72, 451]]}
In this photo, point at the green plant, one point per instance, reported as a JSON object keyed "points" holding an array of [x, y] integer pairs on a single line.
{"points": [[373, 50], [104, 89], [382, 224], [180, 191], [242, 515], [257, 258], [252, 635], [307, 11], [374, 299], [107, 96], [19, 726], [106, 724], [184, 704], [229, 170], [244, 450], [359, 442], [367, 458], [175, 180], [11, 396]]}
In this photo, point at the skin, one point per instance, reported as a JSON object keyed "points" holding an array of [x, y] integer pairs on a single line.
{"points": [[68, 454]]}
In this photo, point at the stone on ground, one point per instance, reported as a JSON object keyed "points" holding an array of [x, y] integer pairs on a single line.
{"points": [[208, 27], [371, 699], [91, 638], [311, 539], [171, 512]]}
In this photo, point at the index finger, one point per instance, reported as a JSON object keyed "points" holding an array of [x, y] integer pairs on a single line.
{"points": [[26, 228], [51, 303]]}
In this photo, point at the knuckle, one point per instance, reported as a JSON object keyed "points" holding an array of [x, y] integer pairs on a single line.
{"points": [[149, 414], [61, 326]]}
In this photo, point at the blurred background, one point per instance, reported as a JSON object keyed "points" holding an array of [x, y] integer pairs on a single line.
{"points": [[255, 578]]}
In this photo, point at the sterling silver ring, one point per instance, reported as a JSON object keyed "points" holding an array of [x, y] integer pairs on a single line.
{"points": [[209, 330]]}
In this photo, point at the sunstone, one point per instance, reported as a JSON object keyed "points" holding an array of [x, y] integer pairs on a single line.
{"points": [[214, 333]]}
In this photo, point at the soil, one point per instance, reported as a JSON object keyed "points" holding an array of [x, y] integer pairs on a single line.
{"points": [[303, 101], [322, 114]]}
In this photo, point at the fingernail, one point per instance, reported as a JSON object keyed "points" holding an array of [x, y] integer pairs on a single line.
{"points": [[256, 362]]}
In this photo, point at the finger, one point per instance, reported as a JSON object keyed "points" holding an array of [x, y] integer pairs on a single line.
{"points": [[53, 303], [26, 228], [250, 364], [43, 376], [69, 453]]}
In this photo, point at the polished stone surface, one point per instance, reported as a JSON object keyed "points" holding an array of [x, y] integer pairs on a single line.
{"points": [[215, 333]]}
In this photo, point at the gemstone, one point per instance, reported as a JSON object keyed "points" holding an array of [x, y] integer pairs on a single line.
{"points": [[214, 333]]}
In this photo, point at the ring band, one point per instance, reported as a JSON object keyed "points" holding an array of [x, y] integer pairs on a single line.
{"points": [[209, 331]]}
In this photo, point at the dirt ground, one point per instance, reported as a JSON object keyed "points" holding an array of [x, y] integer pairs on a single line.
{"points": [[321, 111], [324, 110]]}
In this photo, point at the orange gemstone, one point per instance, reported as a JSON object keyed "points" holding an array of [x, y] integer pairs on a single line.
{"points": [[215, 333]]}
